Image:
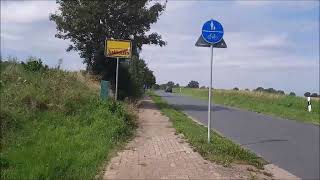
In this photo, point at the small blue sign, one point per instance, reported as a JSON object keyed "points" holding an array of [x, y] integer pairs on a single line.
{"points": [[212, 31]]}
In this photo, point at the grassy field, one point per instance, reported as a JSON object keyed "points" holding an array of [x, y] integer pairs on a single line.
{"points": [[221, 150], [283, 106], [53, 126]]}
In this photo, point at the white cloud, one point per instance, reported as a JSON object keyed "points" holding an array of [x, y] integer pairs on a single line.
{"points": [[253, 2], [27, 31], [273, 41], [26, 11], [176, 5], [10, 36], [295, 5], [256, 55]]}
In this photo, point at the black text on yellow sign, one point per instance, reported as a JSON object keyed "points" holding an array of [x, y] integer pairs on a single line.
{"points": [[118, 48]]}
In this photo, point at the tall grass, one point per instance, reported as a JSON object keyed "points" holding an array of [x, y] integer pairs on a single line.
{"points": [[53, 126], [284, 106]]}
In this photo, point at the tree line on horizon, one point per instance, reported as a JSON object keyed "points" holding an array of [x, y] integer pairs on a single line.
{"points": [[195, 84]]}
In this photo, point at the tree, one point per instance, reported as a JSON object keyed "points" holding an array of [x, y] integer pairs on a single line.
{"points": [[193, 84], [236, 89], [259, 89], [163, 86], [149, 79], [156, 86], [140, 75], [170, 83], [270, 90], [307, 94], [88, 23], [247, 89], [177, 85], [314, 95], [280, 92], [292, 94]]}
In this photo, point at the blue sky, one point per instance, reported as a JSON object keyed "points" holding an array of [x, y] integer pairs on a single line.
{"points": [[270, 43]]}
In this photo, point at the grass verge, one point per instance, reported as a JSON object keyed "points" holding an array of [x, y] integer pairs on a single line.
{"points": [[221, 150], [54, 126], [284, 106]]}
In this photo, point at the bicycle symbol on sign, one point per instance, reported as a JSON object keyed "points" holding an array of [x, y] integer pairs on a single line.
{"points": [[212, 36]]}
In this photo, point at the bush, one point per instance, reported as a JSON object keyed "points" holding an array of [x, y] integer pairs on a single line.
{"points": [[236, 89], [292, 94], [34, 64], [314, 95]]}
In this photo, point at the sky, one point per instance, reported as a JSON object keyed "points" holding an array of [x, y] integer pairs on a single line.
{"points": [[270, 43]]}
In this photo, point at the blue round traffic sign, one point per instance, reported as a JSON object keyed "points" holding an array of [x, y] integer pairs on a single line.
{"points": [[212, 31]]}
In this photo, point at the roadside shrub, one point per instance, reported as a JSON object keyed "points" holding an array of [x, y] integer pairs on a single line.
{"points": [[34, 64]]}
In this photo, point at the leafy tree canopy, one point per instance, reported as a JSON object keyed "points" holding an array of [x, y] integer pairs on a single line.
{"points": [[87, 23], [292, 94], [193, 84], [170, 83]]}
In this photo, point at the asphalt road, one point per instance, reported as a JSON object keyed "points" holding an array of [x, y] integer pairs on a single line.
{"points": [[291, 145]]}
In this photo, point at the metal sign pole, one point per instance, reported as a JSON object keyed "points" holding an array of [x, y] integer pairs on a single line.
{"points": [[117, 74], [211, 36], [209, 101]]}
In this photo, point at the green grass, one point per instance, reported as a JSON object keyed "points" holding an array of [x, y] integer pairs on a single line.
{"points": [[283, 106], [53, 126], [221, 150]]}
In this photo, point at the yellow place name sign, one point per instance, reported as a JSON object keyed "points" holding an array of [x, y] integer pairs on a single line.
{"points": [[118, 48]]}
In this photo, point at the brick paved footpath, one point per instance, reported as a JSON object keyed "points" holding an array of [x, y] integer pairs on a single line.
{"points": [[157, 153]]}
